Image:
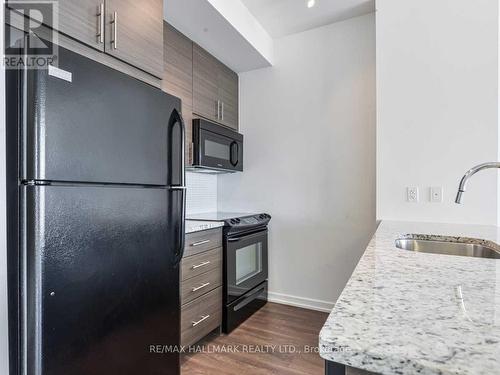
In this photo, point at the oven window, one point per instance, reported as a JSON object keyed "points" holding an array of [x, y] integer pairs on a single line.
{"points": [[248, 262], [216, 150]]}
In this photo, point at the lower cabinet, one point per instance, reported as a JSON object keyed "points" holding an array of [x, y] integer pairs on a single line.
{"points": [[200, 317], [201, 285]]}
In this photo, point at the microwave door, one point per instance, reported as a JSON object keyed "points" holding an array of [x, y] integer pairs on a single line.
{"points": [[215, 151], [220, 152]]}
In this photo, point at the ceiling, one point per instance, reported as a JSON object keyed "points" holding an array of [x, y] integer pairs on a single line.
{"points": [[284, 17], [228, 31]]}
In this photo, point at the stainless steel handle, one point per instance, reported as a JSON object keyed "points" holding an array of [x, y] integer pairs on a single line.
{"points": [[218, 109], [201, 265], [114, 22], [100, 20], [200, 243], [203, 318], [177, 188], [222, 110], [200, 287]]}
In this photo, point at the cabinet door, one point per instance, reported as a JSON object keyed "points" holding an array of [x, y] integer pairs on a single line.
{"points": [[78, 19], [228, 93], [205, 84], [178, 76], [81, 19], [134, 33]]}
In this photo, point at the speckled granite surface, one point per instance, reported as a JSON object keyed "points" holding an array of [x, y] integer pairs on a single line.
{"points": [[197, 226], [404, 312]]}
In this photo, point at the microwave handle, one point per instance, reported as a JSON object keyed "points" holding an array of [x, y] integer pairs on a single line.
{"points": [[234, 150]]}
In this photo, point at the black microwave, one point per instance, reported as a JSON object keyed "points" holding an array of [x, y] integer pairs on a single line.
{"points": [[216, 149]]}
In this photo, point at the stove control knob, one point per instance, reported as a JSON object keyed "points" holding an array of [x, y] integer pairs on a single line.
{"points": [[232, 221]]}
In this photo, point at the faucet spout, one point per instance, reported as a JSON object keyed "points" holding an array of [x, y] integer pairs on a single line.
{"points": [[471, 172], [458, 199]]}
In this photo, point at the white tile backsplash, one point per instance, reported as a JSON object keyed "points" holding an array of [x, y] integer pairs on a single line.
{"points": [[201, 193]]}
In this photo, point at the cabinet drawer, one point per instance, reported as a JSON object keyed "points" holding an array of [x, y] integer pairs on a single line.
{"points": [[197, 264], [201, 284], [199, 242], [201, 316]]}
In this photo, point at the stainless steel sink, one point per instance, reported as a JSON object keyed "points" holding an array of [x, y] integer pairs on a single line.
{"points": [[448, 248]]}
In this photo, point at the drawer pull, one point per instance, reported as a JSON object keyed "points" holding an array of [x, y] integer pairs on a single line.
{"points": [[203, 318], [201, 265], [200, 243], [200, 287]]}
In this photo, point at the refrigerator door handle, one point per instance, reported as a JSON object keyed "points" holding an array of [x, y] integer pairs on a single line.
{"points": [[176, 120]]}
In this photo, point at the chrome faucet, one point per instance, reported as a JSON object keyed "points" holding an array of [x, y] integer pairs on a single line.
{"points": [[469, 174]]}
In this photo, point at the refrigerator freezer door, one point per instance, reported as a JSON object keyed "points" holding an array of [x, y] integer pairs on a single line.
{"points": [[101, 283], [100, 126]]}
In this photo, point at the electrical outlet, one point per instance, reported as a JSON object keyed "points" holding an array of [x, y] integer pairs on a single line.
{"points": [[412, 194], [436, 194]]}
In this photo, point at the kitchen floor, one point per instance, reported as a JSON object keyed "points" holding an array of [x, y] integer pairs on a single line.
{"points": [[275, 340]]}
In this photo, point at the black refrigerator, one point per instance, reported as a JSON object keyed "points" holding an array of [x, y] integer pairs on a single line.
{"points": [[95, 221]]}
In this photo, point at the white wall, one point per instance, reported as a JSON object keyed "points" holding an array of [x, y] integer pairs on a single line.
{"points": [[437, 112], [4, 344], [309, 126]]}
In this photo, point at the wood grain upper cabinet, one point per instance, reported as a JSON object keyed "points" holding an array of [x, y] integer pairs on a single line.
{"points": [[215, 89], [80, 19], [83, 20], [178, 76], [228, 93], [134, 33], [206, 102]]}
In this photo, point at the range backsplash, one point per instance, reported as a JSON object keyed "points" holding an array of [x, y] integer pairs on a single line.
{"points": [[201, 193]]}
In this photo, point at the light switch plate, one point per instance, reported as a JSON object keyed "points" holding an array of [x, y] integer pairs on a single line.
{"points": [[412, 194], [436, 194]]}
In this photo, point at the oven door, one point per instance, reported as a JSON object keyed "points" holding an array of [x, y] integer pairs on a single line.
{"points": [[246, 263], [220, 152]]}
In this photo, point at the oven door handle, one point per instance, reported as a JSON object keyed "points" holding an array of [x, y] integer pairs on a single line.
{"points": [[251, 235], [249, 299]]}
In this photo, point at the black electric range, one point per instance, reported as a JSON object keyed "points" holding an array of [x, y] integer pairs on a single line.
{"points": [[245, 239]]}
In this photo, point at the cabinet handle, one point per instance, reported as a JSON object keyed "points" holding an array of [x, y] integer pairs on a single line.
{"points": [[203, 318], [218, 109], [100, 27], [194, 244], [200, 287], [222, 107], [114, 22], [201, 265]]}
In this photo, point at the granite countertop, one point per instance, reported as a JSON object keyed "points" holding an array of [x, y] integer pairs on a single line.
{"points": [[404, 312], [198, 225]]}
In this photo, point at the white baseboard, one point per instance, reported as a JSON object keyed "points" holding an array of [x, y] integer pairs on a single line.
{"points": [[305, 303]]}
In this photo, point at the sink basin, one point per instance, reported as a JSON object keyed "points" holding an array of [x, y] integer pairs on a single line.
{"points": [[448, 248]]}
